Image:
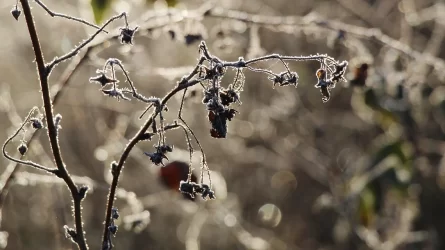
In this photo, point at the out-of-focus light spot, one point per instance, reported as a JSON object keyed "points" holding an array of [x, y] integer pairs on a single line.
{"points": [[437, 96], [270, 215], [323, 201], [137, 222], [230, 220], [121, 6], [244, 129], [3, 239], [341, 230], [259, 243], [283, 179], [277, 244], [100, 154], [250, 242]]}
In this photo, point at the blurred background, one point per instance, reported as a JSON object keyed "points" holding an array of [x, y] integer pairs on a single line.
{"points": [[365, 170]]}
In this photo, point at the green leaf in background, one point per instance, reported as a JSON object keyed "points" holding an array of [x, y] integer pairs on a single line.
{"points": [[100, 9], [170, 3], [367, 207], [394, 148]]}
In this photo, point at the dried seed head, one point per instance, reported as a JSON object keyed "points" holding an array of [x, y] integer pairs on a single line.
{"points": [[127, 35], [193, 188], [156, 157], [285, 78], [187, 188], [36, 123], [207, 192], [102, 79], [115, 92], [340, 70]]}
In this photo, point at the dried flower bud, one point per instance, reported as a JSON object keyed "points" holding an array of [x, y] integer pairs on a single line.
{"points": [[323, 84], [285, 78], [57, 120], [83, 192], [70, 233], [16, 13], [114, 213], [164, 148], [113, 229], [22, 148], [114, 168], [193, 188]]}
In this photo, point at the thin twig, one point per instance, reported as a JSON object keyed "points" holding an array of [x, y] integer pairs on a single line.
{"points": [[55, 14], [52, 130], [19, 161], [76, 50]]}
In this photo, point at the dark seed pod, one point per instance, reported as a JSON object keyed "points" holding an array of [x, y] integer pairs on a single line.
{"points": [[22, 149], [16, 13], [113, 229], [192, 38], [114, 213]]}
